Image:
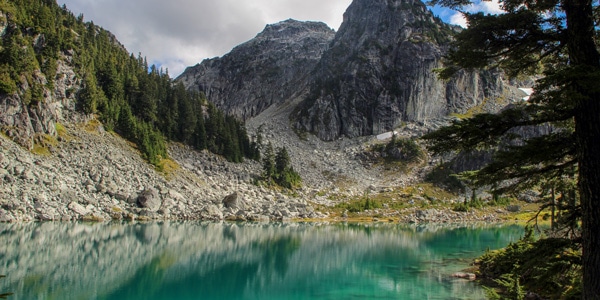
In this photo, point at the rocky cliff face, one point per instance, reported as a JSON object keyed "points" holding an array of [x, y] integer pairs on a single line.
{"points": [[271, 68], [375, 74], [26, 118], [25, 122], [379, 73]]}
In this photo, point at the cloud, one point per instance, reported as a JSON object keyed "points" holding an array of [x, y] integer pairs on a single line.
{"points": [[489, 7], [179, 33], [458, 19]]}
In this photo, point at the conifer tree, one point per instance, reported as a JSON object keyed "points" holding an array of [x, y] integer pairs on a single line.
{"points": [[200, 134], [555, 40], [268, 161], [88, 96], [286, 176], [282, 161]]}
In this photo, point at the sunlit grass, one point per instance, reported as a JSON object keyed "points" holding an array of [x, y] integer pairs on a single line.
{"points": [[92, 126], [168, 167], [43, 143]]}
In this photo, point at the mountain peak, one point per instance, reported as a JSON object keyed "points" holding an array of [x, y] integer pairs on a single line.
{"points": [[379, 73], [374, 74], [268, 69], [294, 25]]}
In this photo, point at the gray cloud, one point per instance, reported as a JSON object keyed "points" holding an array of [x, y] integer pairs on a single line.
{"points": [[180, 33]]}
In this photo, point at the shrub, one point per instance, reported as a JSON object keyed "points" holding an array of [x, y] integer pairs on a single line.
{"points": [[549, 267], [366, 203]]}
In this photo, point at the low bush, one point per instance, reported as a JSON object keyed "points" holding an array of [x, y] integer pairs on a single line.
{"points": [[549, 267]]}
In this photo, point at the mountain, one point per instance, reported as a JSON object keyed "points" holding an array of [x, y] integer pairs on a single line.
{"points": [[380, 72], [375, 74], [269, 69], [84, 127]]}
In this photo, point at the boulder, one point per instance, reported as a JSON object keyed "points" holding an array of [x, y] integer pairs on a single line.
{"points": [[259, 218], [78, 209], [464, 275], [513, 208], [212, 212], [232, 201], [6, 216], [149, 199]]}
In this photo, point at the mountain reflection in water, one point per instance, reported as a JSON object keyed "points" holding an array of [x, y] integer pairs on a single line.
{"points": [[194, 260]]}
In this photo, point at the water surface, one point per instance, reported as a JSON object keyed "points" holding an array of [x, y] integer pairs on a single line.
{"points": [[193, 260]]}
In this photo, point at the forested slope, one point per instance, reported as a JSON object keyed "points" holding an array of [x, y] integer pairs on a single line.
{"points": [[138, 101]]}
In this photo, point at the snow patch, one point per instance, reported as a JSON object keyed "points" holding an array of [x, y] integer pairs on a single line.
{"points": [[528, 92], [386, 135]]}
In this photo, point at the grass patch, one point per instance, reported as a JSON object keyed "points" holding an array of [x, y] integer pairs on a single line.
{"points": [[168, 167], [43, 144], [423, 195], [428, 191], [40, 150], [360, 205], [62, 133], [60, 130], [92, 126]]}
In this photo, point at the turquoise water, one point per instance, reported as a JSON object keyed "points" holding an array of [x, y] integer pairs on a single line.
{"points": [[192, 260]]}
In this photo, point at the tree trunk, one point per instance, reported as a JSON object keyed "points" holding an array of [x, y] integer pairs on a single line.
{"points": [[552, 222], [588, 132], [584, 56]]}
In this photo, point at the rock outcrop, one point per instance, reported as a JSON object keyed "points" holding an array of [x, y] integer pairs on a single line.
{"points": [[269, 69], [380, 72], [24, 122]]}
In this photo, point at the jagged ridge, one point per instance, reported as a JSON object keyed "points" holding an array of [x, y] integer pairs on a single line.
{"points": [[376, 74], [269, 69], [379, 73]]}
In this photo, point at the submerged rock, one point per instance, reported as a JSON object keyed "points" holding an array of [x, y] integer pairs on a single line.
{"points": [[464, 275]]}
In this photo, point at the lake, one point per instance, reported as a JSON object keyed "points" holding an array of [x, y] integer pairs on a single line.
{"points": [[196, 260]]}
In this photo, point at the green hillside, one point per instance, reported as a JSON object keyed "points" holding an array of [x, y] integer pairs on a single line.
{"points": [[138, 101]]}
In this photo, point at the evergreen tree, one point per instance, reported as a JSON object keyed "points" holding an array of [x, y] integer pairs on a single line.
{"points": [[282, 161], [555, 40], [285, 174], [200, 142], [269, 171], [187, 117], [88, 96]]}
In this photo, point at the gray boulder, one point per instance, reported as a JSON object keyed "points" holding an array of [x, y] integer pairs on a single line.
{"points": [[233, 201], [513, 208], [149, 199], [212, 212]]}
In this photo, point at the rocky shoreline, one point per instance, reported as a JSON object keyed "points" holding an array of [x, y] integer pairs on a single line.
{"points": [[96, 175], [93, 175]]}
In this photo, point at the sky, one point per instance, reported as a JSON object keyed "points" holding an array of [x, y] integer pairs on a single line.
{"points": [[175, 34]]}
